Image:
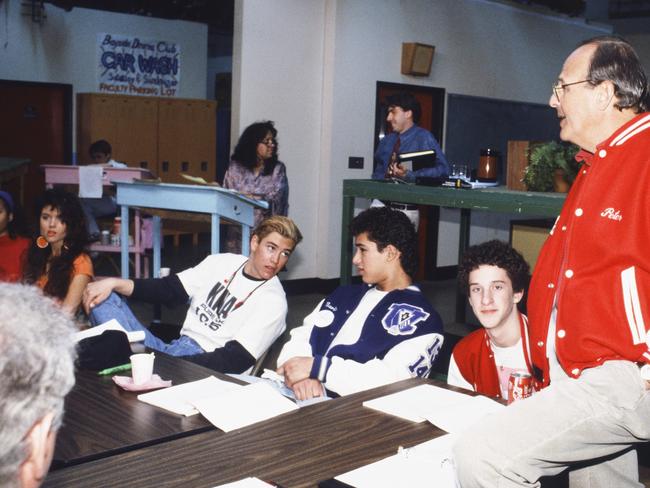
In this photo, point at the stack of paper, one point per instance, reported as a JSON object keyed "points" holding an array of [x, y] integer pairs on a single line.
{"points": [[244, 406], [427, 464], [225, 405], [180, 399], [449, 410]]}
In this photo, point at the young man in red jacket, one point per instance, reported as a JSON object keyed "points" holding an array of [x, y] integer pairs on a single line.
{"points": [[589, 298], [493, 275]]}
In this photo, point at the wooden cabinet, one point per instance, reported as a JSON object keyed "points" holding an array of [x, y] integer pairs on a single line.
{"points": [[166, 136], [187, 139]]}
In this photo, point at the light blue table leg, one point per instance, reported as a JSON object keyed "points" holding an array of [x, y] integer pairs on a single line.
{"points": [[156, 246], [245, 239], [214, 234], [124, 241]]}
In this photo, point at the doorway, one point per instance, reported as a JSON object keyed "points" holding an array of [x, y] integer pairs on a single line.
{"points": [[36, 125]]}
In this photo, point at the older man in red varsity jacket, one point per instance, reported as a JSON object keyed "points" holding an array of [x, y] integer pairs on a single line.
{"points": [[589, 297]]}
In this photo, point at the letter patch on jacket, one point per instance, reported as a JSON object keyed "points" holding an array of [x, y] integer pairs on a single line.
{"points": [[402, 319]]}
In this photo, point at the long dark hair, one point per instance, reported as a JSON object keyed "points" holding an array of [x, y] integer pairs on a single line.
{"points": [[76, 239], [245, 152]]}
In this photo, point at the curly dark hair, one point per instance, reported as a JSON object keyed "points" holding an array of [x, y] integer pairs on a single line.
{"points": [[76, 240], [245, 152], [494, 253], [386, 226]]}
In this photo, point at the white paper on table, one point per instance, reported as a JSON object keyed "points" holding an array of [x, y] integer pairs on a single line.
{"points": [[246, 483], [180, 399], [244, 406], [90, 181], [410, 404], [460, 416], [449, 410], [426, 464]]}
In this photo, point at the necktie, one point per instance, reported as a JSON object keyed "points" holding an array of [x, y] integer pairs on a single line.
{"points": [[393, 157]]}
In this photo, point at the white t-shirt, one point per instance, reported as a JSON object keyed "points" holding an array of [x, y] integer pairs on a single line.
{"points": [[225, 307], [506, 359]]}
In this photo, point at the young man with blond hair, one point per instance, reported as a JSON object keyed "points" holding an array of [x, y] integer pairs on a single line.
{"points": [[237, 304]]}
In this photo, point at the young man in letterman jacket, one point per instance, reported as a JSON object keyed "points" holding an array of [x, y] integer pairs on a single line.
{"points": [[237, 306], [371, 334], [493, 275], [589, 298]]}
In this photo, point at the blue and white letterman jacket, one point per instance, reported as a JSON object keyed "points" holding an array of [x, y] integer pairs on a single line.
{"points": [[399, 339]]}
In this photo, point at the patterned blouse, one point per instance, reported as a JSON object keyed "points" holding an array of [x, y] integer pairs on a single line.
{"points": [[273, 188]]}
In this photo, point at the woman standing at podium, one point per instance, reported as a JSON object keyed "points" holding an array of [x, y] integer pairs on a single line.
{"points": [[256, 172], [56, 260]]}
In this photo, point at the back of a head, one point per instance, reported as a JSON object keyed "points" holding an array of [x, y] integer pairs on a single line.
{"points": [[406, 101], [385, 226], [615, 60], [284, 226], [101, 146], [37, 354]]}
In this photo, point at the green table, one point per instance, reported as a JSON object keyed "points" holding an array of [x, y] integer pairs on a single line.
{"points": [[495, 199]]}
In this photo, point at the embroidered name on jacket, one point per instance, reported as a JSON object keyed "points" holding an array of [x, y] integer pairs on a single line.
{"points": [[612, 214], [402, 319]]}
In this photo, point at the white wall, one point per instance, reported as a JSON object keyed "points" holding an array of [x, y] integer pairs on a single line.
{"points": [[313, 66], [63, 48], [278, 75]]}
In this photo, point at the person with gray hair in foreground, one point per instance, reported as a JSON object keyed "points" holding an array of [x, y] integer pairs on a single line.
{"points": [[37, 355]]}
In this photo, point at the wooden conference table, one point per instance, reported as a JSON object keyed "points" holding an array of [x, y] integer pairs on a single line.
{"points": [[296, 449], [494, 199], [101, 419]]}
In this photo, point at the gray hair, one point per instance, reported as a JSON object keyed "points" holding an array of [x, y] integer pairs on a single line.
{"points": [[37, 355]]}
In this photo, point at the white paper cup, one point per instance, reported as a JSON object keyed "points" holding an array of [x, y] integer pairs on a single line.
{"points": [[141, 368], [164, 272]]}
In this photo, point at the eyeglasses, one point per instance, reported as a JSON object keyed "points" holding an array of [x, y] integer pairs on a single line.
{"points": [[557, 86], [268, 142]]}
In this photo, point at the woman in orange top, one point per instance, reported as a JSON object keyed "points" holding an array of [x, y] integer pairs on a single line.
{"points": [[12, 246], [56, 261]]}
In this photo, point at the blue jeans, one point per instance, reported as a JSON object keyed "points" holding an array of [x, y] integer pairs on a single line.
{"points": [[94, 208], [115, 307]]}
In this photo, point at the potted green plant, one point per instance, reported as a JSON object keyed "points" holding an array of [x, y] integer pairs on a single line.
{"points": [[551, 167]]}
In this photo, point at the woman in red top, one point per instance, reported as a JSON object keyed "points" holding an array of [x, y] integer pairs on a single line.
{"points": [[56, 261], [12, 246]]}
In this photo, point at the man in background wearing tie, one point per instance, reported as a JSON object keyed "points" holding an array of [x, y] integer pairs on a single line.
{"points": [[406, 136]]}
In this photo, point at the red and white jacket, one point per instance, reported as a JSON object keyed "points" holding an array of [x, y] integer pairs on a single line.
{"points": [[596, 262], [474, 358]]}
